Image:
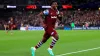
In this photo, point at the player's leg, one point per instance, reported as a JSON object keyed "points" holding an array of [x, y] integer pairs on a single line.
{"points": [[54, 40], [12, 29], [5, 26], [8, 26], [45, 38]]}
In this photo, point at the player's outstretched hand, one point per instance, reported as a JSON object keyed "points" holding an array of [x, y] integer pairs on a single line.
{"points": [[44, 25]]}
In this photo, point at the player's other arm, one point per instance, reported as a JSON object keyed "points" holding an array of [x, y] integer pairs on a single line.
{"points": [[60, 15], [45, 13], [41, 19]]}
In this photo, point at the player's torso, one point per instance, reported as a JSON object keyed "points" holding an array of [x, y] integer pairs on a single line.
{"points": [[50, 20], [11, 22]]}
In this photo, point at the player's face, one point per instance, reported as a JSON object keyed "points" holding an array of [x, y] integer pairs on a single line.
{"points": [[54, 5], [11, 18]]}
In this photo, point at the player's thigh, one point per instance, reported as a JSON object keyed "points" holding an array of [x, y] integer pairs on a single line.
{"points": [[53, 33], [46, 36], [9, 27]]}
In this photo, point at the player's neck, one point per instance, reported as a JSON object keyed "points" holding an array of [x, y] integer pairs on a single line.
{"points": [[53, 8]]}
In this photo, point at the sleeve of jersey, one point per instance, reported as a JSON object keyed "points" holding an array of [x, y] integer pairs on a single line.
{"points": [[46, 12]]}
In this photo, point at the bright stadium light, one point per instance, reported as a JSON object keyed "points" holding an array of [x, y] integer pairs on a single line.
{"points": [[46, 6], [31, 7], [9, 6]]}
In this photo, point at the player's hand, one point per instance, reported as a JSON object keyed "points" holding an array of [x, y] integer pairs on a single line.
{"points": [[60, 15], [44, 25]]}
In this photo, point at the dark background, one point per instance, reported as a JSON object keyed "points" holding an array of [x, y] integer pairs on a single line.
{"points": [[46, 2]]}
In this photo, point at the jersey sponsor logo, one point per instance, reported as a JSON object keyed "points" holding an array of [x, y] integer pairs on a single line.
{"points": [[53, 16]]}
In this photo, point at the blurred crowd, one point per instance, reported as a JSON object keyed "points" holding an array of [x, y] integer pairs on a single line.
{"points": [[25, 19], [79, 17]]}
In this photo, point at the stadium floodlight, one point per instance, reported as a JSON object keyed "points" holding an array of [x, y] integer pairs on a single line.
{"points": [[31, 7], [46, 6], [67, 6], [9, 6]]}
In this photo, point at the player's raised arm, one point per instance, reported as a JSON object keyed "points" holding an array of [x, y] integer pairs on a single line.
{"points": [[40, 18], [45, 12]]}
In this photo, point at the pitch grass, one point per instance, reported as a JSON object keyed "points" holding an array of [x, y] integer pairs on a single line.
{"points": [[20, 42]]}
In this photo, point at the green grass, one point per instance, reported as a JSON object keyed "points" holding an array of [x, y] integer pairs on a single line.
{"points": [[20, 42]]}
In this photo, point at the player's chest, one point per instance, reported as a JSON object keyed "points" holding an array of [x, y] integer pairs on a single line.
{"points": [[53, 15]]}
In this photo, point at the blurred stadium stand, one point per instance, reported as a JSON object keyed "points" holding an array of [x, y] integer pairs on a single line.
{"points": [[82, 11]]}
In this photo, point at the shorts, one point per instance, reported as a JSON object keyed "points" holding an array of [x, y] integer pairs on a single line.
{"points": [[11, 27], [50, 31]]}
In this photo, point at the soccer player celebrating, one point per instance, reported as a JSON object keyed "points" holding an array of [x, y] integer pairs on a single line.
{"points": [[49, 25]]}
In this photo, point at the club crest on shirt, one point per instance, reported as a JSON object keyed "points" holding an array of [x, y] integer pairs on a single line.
{"points": [[53, 16], [51, 13]]}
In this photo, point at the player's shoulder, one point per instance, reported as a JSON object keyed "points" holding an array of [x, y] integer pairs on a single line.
{"points": [[46, 12]]}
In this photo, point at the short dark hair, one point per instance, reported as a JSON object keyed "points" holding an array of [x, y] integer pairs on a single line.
{"points": [[53, 2]]}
